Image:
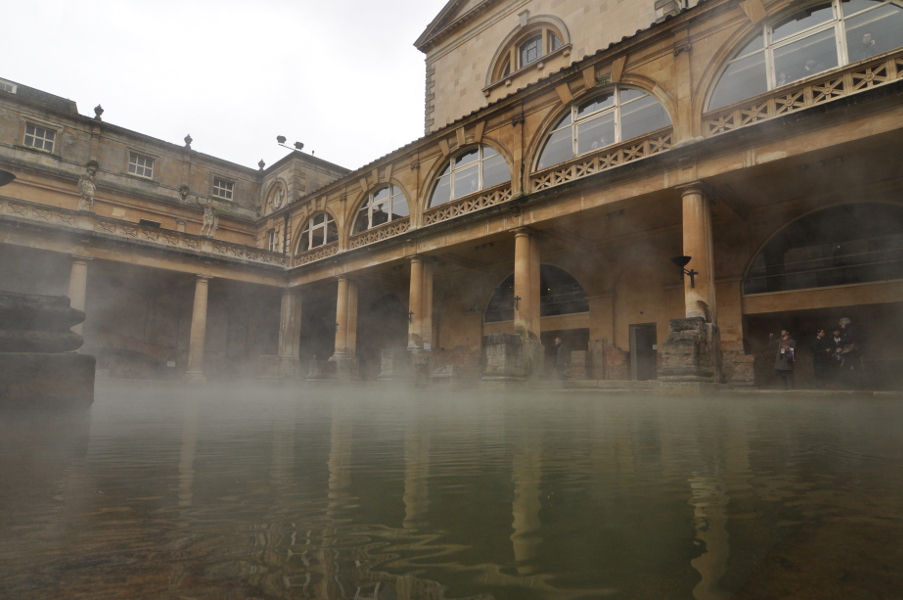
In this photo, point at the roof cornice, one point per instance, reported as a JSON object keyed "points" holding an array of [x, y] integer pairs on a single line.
{"points": [[441, 26]]}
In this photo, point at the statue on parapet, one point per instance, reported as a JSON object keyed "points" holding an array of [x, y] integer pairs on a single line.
{"points": [[211, 220], [87, 186]]}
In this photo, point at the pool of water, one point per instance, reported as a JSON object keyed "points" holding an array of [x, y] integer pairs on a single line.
{"points": [[237, 493]]}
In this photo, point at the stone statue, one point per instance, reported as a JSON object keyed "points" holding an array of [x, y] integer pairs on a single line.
{"points": [[211, 221], [87, 185]]}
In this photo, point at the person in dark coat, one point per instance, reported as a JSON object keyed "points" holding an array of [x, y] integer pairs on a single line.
{"points": [[785, 351], [850, 353], [834, 344], [822, 357]]}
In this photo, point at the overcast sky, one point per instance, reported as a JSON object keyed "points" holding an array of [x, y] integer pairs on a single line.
{"points": [[342, 76]]}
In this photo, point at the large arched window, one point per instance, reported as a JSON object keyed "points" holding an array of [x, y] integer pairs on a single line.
{"points": [[527, 47], [817, 39], [319, 230], [617, 115], [381, 206], [853, 243], [559, 294], [470, 172]]}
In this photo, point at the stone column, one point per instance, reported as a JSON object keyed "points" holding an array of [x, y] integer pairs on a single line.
{"points": [[420, 328], [415, 305], [698, 244], [195, 372], [78, 286], [526, 299], [527, 474], [346, 329], [290, 333]]}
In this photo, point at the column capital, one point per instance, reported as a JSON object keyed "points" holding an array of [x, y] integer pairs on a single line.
{"points": [[201, 276], [524, 231], [81, 258], [694, 187]]}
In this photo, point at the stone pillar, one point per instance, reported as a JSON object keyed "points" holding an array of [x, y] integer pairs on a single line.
{"points": [[346, 330], [78, 286], [420, 329], [195, 372], [527, 475], [526, 299], [699, 294], [290, 334]]}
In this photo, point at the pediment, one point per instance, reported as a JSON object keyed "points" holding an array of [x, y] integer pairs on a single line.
{"points": [[449, 15]]}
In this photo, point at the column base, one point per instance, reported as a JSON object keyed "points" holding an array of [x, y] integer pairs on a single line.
{"points": [[195, 378], [509, 361], [691, 353], [347, 367]]}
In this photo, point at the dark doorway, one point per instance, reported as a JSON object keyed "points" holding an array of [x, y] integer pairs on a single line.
{"points": [[643, 352]]}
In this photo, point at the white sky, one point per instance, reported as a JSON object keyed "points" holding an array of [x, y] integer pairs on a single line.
{"points": [[342, 76]]}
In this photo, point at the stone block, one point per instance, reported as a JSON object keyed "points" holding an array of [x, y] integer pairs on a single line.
{"points": [[691, 353], [45, 342], [579, 365], [347, 367], [739, 369], [30, 312], [319, 371], [46, 380], [505, 357], [395, 365]]}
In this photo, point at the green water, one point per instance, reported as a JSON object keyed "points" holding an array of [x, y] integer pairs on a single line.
{"points": [[223, 493]]}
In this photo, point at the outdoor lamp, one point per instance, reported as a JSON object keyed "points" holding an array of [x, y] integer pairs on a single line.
{"points": [[681, 263]]}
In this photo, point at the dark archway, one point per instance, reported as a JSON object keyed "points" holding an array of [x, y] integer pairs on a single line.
{"points": [[559, 294], [840, 245], [382, 325]]}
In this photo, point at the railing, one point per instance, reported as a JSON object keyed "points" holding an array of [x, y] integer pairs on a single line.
{"points": [[468, 204], [602, 160], [858, 78], [318, 253], [379, 233], [129, 231]]}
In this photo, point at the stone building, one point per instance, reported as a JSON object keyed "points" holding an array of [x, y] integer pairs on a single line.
{"points": [[572, 150]]}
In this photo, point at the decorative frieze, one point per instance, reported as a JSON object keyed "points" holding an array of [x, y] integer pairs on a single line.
{"points": [[317, 254], [468, 204], [860, 77], [602, 160], [382, 232]]}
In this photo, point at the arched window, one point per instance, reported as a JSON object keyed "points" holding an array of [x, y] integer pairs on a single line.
{"points": [[817, 39], [559, 294], [853, 243], [528, 46], [470, 172], [319, 230], [618, 115], [381, 206]]}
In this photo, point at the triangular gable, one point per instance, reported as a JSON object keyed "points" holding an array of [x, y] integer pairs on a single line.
{"points": [[448, 15]]}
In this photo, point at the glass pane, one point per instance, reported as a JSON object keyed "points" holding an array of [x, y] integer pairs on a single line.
{"points": [[757, 44], [400, 207], [380, 214], [806, 57], [803, 20], [642, 117], [29, 129], [874, 32], [318, 236], [556, 42], [495, 171], [744, 78], [381, 195], [304, 244], [442, 193], [629, 94], [467, 182], [596, 134], [531, 50], [49, 135], [332, 234], [566, 120], [559, 148], [595, 105], [489, 152], [319, 219], [851, 7], [466, 158], [362, 221]]}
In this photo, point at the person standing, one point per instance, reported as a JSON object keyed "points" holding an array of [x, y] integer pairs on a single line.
{"points": [[850, 354], [822, 358], [785, 350]]}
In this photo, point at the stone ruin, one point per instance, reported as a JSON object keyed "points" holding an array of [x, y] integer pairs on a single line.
{"points": [[38, 363]]}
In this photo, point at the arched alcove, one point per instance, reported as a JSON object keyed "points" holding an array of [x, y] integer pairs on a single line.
{"points": [[559, 294], [840, 245]]}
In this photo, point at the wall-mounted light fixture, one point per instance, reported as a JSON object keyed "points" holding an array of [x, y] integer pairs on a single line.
{"points": [[411, 317], [681, 262]]}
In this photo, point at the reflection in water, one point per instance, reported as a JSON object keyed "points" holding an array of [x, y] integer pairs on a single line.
{"points": [[231, 494]]}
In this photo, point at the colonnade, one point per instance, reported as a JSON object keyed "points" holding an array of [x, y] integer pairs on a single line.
{"points": [[699, 294]]}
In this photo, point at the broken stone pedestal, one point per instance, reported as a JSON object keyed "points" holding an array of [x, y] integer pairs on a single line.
{"points": [[690, 356], [511, 361], [395, 366], [37, 365]]}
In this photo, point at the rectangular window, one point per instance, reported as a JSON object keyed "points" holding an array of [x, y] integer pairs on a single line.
{"points": [[38, 137], [141, 166], [7, 86], [273, 241], [222, 188]]}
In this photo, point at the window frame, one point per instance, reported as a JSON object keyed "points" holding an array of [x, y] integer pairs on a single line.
{"points": [[134, 164], [576, 121], [510, 61], [310, 226], [217, 188], [765, 31], [395, 192], [451, 169], [273, 241], [46, 129], [8, 86]]}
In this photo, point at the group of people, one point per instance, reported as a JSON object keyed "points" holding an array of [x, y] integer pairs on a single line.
{"points": [[836, 359]]}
